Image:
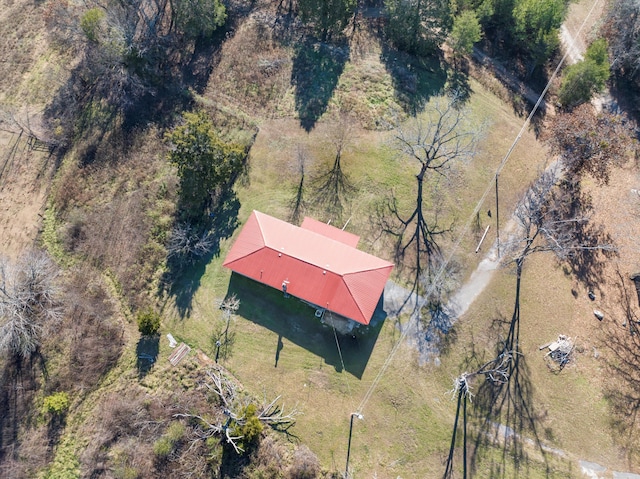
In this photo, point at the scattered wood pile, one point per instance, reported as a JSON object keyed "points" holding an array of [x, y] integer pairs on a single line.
{"points": [[560, 352]]}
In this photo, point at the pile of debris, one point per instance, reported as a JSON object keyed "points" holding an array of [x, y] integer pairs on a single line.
{"points": [[560, 350]]}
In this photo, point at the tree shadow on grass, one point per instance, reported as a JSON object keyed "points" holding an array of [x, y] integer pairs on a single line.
{"points": [[147, 84], [505, 412], [458, 81], [586, 264], [315, 73], [183, 275], [415, 80], [294, 321], [333, 190], [623, 388], [18, 385]]}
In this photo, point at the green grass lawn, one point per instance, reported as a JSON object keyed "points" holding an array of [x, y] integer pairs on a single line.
{"points": [[409, 416]]}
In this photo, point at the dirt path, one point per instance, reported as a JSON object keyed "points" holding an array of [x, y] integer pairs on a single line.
{"points": [[575, 46], [462, 300], [501, 73], [24, 180]]}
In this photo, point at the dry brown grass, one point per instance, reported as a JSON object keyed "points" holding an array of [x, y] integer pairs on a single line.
{"points": [[121, 429], [578, 409], [254, 71], [117, 212]]}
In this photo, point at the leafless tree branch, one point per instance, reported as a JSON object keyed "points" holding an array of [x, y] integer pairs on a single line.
{"points": [[551, 219], [496, 370], [29, 301], [186, 242], [270, 413]]}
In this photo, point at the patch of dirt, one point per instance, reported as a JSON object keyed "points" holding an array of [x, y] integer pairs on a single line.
{"points": [[25, 176], [578, 12]]}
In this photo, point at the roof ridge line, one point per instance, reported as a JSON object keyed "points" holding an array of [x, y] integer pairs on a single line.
{"points": [[355, 301], [257, 213], [390, 265]]}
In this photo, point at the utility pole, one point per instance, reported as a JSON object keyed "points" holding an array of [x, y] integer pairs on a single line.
{"points": [[359, 416]]}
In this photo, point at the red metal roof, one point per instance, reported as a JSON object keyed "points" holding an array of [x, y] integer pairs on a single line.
{"points": [[330, 231], [318, 268]]}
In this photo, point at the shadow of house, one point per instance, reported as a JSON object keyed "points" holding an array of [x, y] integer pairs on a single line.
{"points": [[315, 73], [296, 322]]}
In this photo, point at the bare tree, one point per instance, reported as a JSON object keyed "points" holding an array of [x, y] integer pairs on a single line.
{"points": [[233, 411], [435, 142], [552, 218], [189, 243], [497, 372], [223, 337], [29, 302]]}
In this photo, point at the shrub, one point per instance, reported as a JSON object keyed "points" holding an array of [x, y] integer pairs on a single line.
{"points": [[162, 447], [90, 23], [586, 77], [57, 403], [305, 464], [167, 443], [175, 431], [126, 472], [250, 430], [148, 322], [215, 452]]}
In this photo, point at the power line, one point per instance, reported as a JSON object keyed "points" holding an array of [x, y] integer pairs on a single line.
{"points": [[469, 222]]}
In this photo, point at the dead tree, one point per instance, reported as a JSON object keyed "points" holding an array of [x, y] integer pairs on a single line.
{"points": [[231, 414], [29, 302], [223, 338], [496, 371], [435, 142], [551, 218], [189, 243]]}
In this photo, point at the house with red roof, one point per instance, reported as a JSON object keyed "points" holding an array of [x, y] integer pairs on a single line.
{"points": [[314, 262]]}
